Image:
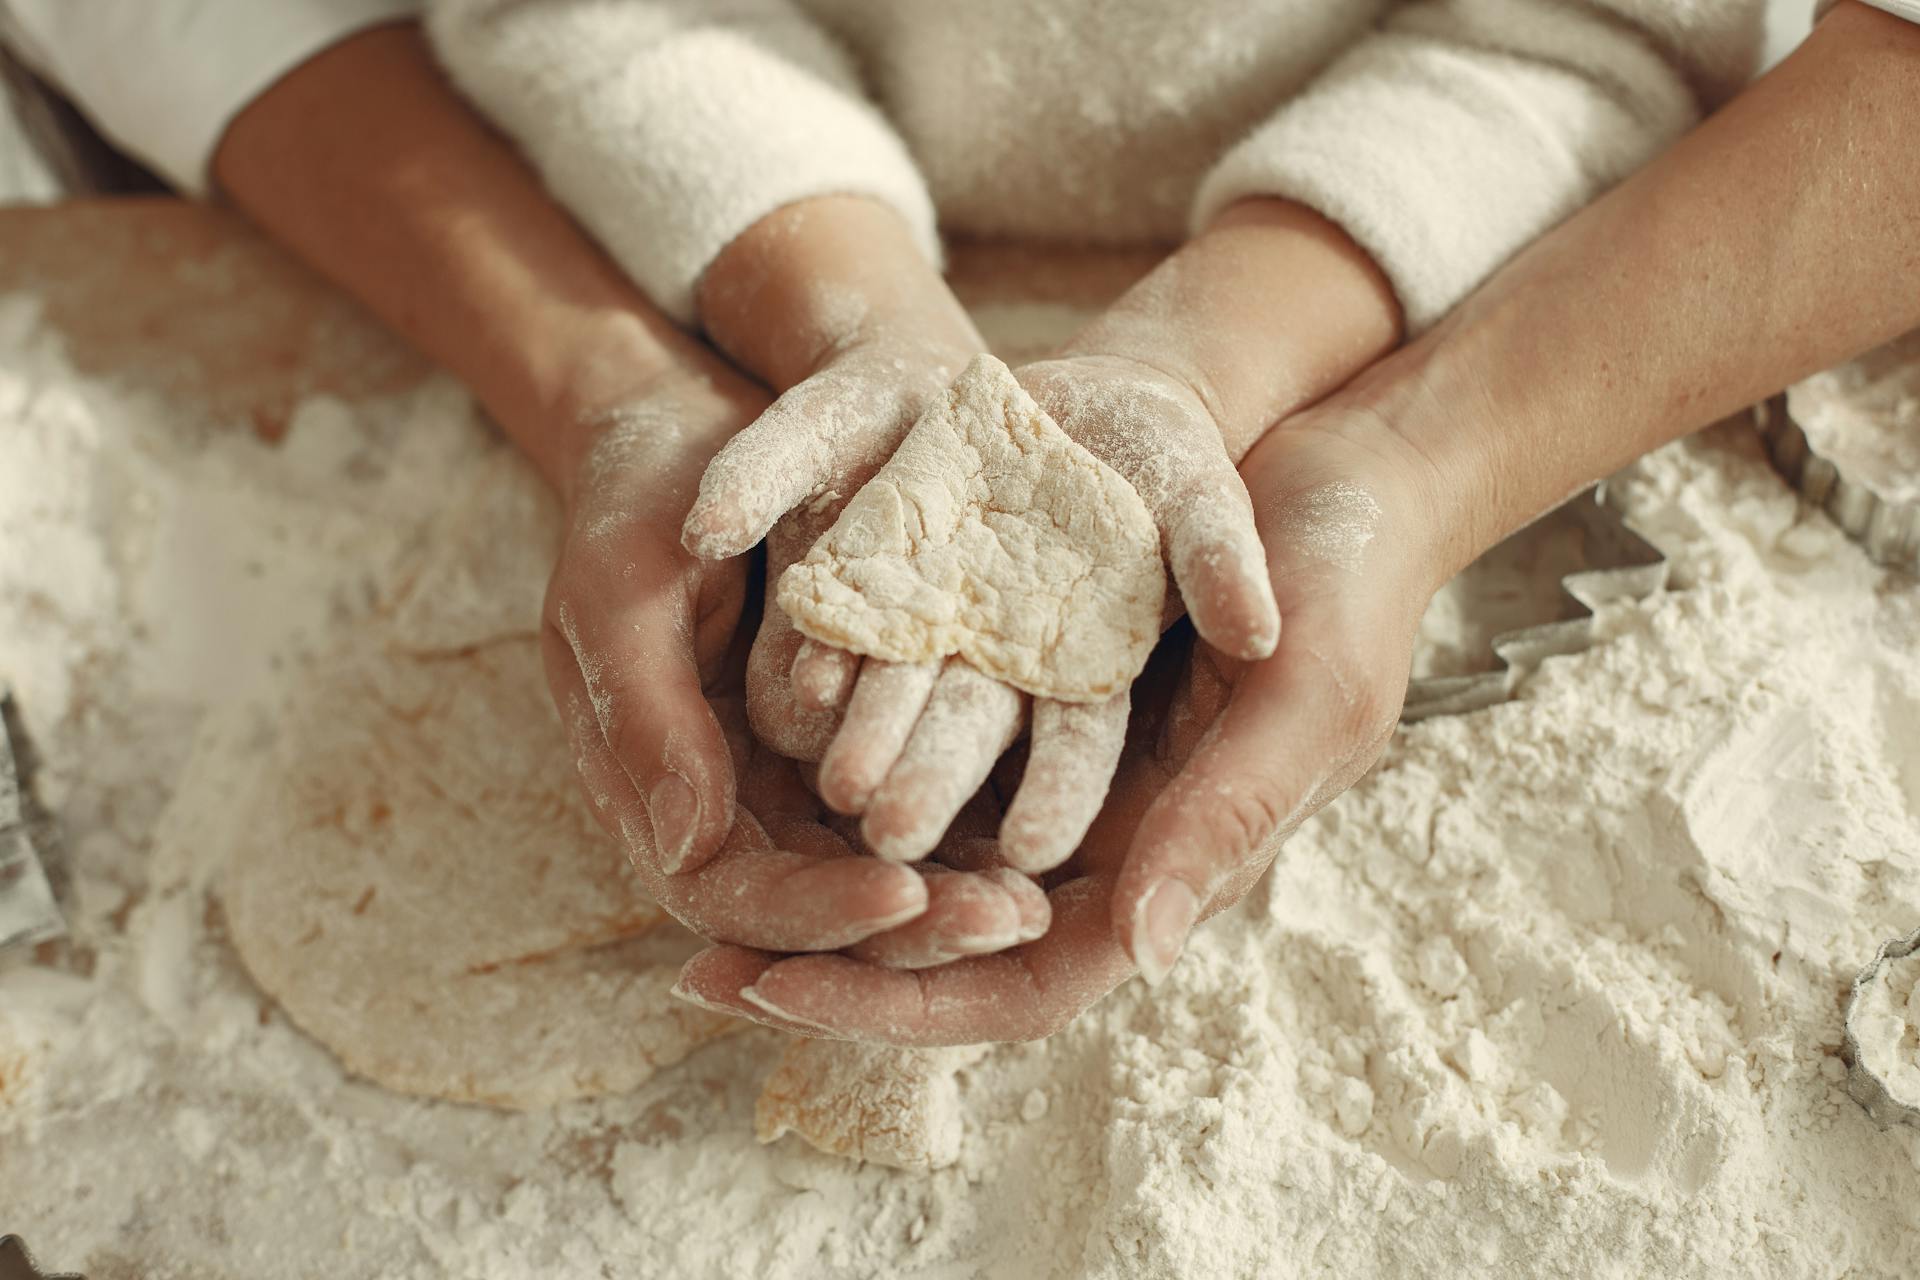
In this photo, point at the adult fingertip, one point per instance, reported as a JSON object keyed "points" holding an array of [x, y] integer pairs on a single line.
{"points": [[712, 978], [1162, 920], [777, 1016]]}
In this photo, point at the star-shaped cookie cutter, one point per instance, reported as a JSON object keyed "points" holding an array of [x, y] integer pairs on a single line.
{"points": [[28, 910], [1621, 565]]}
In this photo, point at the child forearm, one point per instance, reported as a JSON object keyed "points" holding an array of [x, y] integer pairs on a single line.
{"points": [[366, 164], [1268, 310], [1781, 236], [814, 278]]}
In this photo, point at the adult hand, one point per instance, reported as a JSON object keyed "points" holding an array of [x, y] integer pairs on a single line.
{"points": [[638, 631], [1226, 758]]}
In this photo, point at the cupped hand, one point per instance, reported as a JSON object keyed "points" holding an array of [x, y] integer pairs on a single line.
{"points": [[638, 634], [1226, 757], [916, 741]]}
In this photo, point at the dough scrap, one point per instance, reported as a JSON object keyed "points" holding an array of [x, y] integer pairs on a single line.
{"points": [[896, 1107], [992, 535]]}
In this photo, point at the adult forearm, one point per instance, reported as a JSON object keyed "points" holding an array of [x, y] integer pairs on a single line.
{"points": [[1781, 236], [1268, 310], [368, 166]]}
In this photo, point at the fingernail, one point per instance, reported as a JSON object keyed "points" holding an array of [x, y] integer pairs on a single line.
{"points": [[956, 945], [1160, 926], [680, 991], [753, 997], [675, 813]]}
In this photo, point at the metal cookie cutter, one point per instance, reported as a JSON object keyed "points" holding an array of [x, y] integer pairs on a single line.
{"points": [[1878, 391], [1890, 531], [1866, 1088], [17, 1264], [1620, 565], [28, 912]]}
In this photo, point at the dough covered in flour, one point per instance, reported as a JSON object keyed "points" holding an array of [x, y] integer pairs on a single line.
{"points": [[992, 535], [896, 1107], [421, 884]]}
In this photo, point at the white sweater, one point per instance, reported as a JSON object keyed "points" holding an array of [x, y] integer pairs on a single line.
{"points": [[1441, 134]]}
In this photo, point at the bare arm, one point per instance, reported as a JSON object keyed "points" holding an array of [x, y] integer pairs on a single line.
{"points": [[366, 164], [1780, 237]]}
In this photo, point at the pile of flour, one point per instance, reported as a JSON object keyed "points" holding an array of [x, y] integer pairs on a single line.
{"points": [[1555, 991]]}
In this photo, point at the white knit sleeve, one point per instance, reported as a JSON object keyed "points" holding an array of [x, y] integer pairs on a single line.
{"points": [[1462, 129], [669, 127], [162, 79], [1908, 9]]}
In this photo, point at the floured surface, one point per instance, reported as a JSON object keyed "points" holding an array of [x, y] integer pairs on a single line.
{"points": [[1554, 992], [1864, 417], [991, 535]]}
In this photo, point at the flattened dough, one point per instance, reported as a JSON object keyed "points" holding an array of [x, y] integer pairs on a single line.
{"points": [[990, 534], [422, 885]]}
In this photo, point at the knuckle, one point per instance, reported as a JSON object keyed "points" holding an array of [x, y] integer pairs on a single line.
{"points": [[1247, 818]]}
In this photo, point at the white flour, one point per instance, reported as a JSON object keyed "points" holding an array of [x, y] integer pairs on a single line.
{"points": [[1556, 991]]}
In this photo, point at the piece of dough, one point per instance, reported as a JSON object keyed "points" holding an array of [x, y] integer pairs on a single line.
{"points": [[426, 893], [992, 535], [897, 1107], [422, 886]]}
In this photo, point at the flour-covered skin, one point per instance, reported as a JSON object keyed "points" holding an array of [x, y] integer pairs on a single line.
{"points": [[990, 535], [1045, 572]]}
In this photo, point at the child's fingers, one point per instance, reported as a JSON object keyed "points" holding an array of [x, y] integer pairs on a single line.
{"points": [[750, 892], [779, 719], [887, 701], [970, 719], [1219, 563], [1070, 761], [824, 438], [967, 915], [823, 676], [634, 660]]}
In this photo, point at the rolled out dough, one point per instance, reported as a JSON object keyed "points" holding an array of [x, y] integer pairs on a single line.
{"points": [[992, 535]]}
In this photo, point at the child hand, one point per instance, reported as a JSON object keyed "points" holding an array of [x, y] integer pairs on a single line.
{"points": [[916, 741]]}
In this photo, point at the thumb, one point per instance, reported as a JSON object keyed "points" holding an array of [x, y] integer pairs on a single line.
{"points": [[823, 437], [1298, 729]]}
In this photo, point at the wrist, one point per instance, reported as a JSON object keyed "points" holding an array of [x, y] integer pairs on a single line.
{"points": [[812, 279], [1266, 311]]}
